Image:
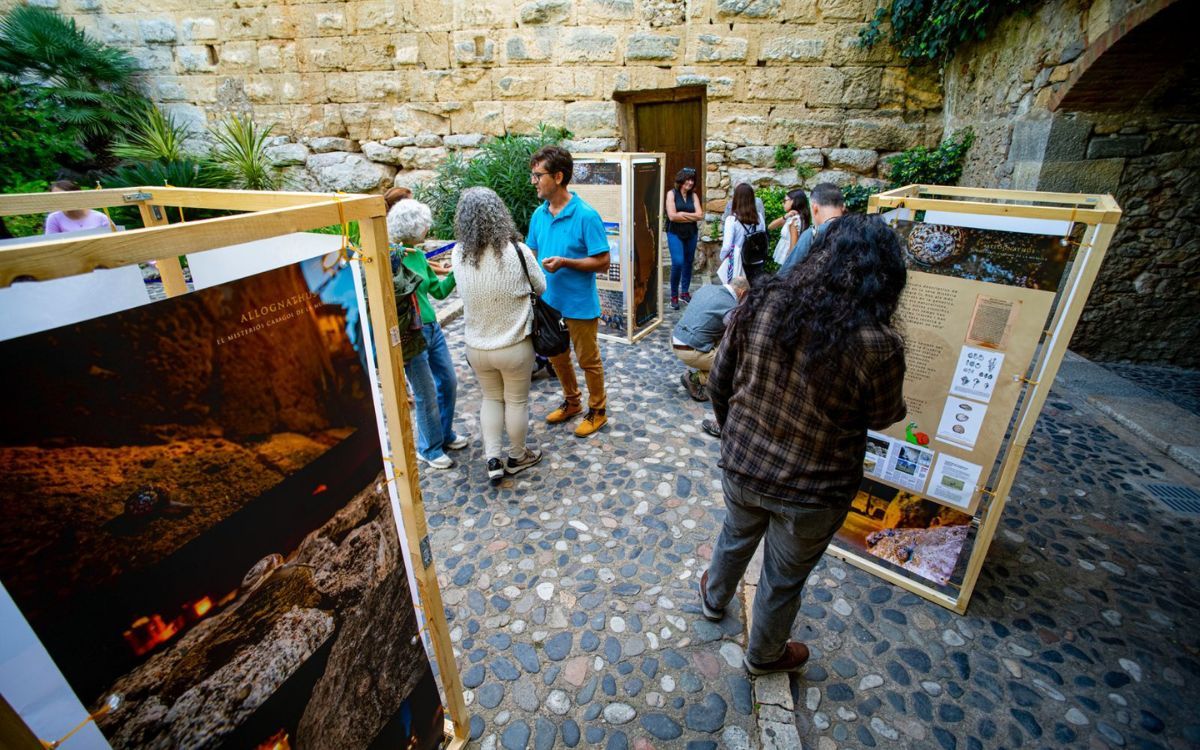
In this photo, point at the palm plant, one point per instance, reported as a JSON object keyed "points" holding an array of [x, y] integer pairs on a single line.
{"points": [[91, 84], [156, 136], [240, 154]]}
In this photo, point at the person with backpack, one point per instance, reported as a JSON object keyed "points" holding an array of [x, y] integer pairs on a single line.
{"points": [[429, 369], [744, 245]]}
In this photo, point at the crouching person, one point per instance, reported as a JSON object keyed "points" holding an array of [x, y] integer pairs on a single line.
{"points": [[700, 329]]}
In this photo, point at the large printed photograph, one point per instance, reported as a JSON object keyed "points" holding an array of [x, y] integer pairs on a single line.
{"points": [[1031, 261], [194, 518], [903, 529]]}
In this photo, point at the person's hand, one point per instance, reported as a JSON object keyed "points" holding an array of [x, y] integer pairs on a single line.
{"points": [[554, 263], [790, 214], [440, 267]]}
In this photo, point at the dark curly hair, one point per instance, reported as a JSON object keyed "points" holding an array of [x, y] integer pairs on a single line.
{"points": [[851, 280]]}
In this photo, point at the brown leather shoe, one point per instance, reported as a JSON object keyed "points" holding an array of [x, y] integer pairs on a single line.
{"points": [[563, 413], [795, 655], [691, 382], [594, 420]]}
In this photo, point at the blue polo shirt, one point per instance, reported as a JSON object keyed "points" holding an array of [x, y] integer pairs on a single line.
{"points": [[577, 232]]}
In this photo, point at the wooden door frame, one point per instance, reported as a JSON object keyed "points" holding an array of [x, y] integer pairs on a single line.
{"points": [[627, 120]]}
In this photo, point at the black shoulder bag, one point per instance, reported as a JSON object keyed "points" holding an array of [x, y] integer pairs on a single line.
{"points": [[550, 335]]}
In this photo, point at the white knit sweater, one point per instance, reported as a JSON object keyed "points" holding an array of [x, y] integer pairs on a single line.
{"points": [[495, 296]]}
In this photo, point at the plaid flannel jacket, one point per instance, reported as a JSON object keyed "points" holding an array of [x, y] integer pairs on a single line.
{"points": [[794, 441]]}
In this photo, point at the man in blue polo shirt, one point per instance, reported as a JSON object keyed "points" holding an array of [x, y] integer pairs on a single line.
{"points": [[568, 237]]}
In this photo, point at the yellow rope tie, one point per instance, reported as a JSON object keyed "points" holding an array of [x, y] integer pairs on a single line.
{"points": [[347, 252]]}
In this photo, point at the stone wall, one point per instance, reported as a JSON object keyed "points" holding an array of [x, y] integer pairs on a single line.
{"points": [[364, 92]]}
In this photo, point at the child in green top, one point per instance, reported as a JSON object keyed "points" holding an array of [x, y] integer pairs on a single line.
{"points": [[430, 373]]}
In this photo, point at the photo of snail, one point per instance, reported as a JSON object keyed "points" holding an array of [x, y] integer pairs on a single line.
{"points": [[1031, 261], [194, 518]]}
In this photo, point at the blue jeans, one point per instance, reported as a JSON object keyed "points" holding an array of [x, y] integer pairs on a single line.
{"points": [[797, 533], [683, 255], [431, 375]]}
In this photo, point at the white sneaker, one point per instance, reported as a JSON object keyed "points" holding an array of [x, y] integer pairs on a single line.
{"points": [[441, 462], [458, 443], [517, 465]]}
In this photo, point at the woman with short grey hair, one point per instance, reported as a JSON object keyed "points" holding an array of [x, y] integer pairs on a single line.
{"points": [[495, 286]]}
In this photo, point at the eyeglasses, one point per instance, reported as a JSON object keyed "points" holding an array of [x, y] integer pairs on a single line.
{"points": [[535, 176], [687, 171]]}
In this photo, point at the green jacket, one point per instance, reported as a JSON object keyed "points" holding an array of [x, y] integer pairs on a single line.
{"points": [[440, 288]]}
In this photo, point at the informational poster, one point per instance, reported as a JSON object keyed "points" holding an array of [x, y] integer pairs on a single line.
{"points": [[973, 314], [599, 183], [194, 519], [647, 224]]}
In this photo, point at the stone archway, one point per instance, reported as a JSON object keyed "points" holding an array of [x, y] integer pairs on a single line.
{"points": [[1127, 122]]}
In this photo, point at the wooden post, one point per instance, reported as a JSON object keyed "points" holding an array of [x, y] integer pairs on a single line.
{"points": [[14, 733], [169, 269], [376, 266]]}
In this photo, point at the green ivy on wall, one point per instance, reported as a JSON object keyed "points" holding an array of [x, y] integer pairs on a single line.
{"points": [[931, 30]]}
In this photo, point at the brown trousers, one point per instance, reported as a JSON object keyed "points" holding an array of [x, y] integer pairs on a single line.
{"points": [[587, 352]]}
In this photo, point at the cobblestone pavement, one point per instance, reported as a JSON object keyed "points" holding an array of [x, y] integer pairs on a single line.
{"points": [[573, 608], [1175, 384]]}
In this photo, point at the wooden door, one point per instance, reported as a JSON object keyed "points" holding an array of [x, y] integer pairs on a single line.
{"points": [[677, 129]]}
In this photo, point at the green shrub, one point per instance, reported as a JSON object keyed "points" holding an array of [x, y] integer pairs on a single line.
{"points": [[240, 158], [26, 225], [938, 166], [785, 155], [856, 197], [931, 30], [772, 199], [33, 145], [502, 164], [154, 136]]}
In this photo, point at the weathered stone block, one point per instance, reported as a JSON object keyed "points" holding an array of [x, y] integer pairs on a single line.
{"points": [[117, 31], [286, 154], [411, 178], [524, 117], [244, 24], [643, 46], [776, 84], [848, 10], [473, 48], [708, 48], [764, 177], [479, 117], [1117, 146], [544, 12], [529, 46], [859, 160], [738, 123], [350, 173], [573, 82], [238, 55], [194, 59], [1068, 139], [883, 135], [1091, 176], [592, 119], [835, 176], [169, 90], [201, 29], [589, 45], [592, 11], [464, 140], [811, 158], [453, 85], [414, 157], [796, 125], [592, 145], [152, 58], [378, 152], [427, 140], [789, 49], [330, 144], [519, 84], [157, 31], [845, 87], [755, 156], [720, 87], [748, 8], [323, 54]]}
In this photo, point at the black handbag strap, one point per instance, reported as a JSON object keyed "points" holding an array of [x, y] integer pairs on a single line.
{"points": [[525, 268]]}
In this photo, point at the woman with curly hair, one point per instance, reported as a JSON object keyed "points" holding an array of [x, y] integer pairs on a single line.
{"points": [[496, 274], [809, 363], [430, 373]]}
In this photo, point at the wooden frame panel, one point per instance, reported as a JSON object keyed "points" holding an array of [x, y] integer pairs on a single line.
{"points": [[1100, 213], [269, 215]]}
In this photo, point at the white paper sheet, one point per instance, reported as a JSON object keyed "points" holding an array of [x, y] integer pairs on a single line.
{"points": [[908, 465], [31, 306], [961, 420], [976, 374], [954, 481], [213, 267], [1052, 227]]}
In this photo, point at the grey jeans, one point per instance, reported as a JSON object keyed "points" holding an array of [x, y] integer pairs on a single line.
{"points": [[797, 533]]}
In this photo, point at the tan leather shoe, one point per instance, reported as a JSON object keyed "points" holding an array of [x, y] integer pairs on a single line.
{"points": [[563, 413], [594, 420]]}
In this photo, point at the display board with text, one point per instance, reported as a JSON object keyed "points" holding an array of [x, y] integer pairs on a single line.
{"points": [[206, 542], [996, 281], [627, 191]]}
